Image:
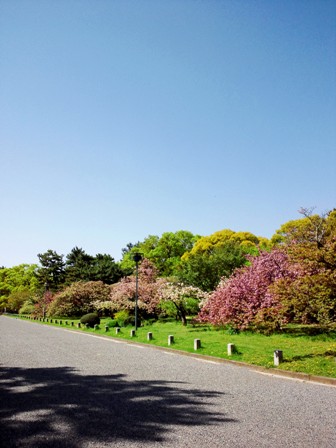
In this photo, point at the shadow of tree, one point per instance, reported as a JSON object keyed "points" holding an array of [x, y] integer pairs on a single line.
{"points": [[47, 407]]}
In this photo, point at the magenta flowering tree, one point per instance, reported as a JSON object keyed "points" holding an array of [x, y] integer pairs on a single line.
{"points": [[245, 299]]}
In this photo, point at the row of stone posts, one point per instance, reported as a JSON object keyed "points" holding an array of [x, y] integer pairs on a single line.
{"points": [[231, 349]]}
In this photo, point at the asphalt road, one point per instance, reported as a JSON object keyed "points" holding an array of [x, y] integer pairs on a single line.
{"points": [[61, 388]]}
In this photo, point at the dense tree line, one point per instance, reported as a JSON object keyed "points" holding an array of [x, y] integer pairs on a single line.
{"points": [[228, 278]]}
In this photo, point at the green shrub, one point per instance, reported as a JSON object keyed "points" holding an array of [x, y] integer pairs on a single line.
{"points": [[27, 308], [121, 317], [112, 323], [91, 319]]}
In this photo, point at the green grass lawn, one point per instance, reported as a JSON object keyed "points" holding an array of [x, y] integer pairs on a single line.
{"points": [[312, 354]]}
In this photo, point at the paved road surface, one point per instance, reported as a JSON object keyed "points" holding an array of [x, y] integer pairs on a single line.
{"points": [[61, 388]]}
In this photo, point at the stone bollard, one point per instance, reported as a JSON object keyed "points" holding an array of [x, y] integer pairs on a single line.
{"points": [[170, 339], [96, 327], [87, 326], [197, 344], [149, 336], [230, 349], [278, 357], [106, 328], [78, 325], [132, 333], [117, 330]]}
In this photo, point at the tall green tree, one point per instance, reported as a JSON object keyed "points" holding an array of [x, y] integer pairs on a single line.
{"points": [[167, 254], [205, 270], [78, 266], [51, 272], [81, 266], [105, 269], [165, 251]]}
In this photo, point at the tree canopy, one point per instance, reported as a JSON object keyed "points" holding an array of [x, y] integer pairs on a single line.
{"points": [[51, 271], [16, 285], [205, 270], [248, 242], [164, 252]]}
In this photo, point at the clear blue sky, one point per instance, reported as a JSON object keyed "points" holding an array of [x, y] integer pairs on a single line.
{"points": [[120, 119]]}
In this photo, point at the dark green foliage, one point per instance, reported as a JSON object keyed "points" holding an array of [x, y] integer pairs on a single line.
{"points": [[90, 319], [112, 323], [51, 272], [81, 266], [78, 265]]}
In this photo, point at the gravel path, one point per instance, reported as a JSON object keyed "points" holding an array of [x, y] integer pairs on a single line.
{"points": [[61, 388]]}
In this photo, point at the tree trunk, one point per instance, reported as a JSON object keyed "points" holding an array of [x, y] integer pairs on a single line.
{"points": [[183, 318]]}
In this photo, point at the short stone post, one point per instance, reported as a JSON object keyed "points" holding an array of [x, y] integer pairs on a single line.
{"points": [[170, 339], [197, 344], [117, 330], [230, 349], [96, 327], [278, 357], [149, 336], [87, 326], [132, 333], [106, 328]]}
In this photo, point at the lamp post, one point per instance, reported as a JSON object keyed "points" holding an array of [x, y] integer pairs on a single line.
{"points": [[136, 257], [46, 289]]}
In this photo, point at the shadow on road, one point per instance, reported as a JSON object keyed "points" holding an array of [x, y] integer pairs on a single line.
{"points": [[59, 407]]}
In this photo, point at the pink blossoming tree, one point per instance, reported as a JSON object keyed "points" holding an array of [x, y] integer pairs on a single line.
{"points": [[245, 299]]}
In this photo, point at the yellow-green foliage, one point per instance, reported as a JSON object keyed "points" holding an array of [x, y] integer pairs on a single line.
{"points": [[246, 240], [310, 228]]}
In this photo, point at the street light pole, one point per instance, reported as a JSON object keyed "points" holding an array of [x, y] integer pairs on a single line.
{"points": [[136, 257], [46, 289]]}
